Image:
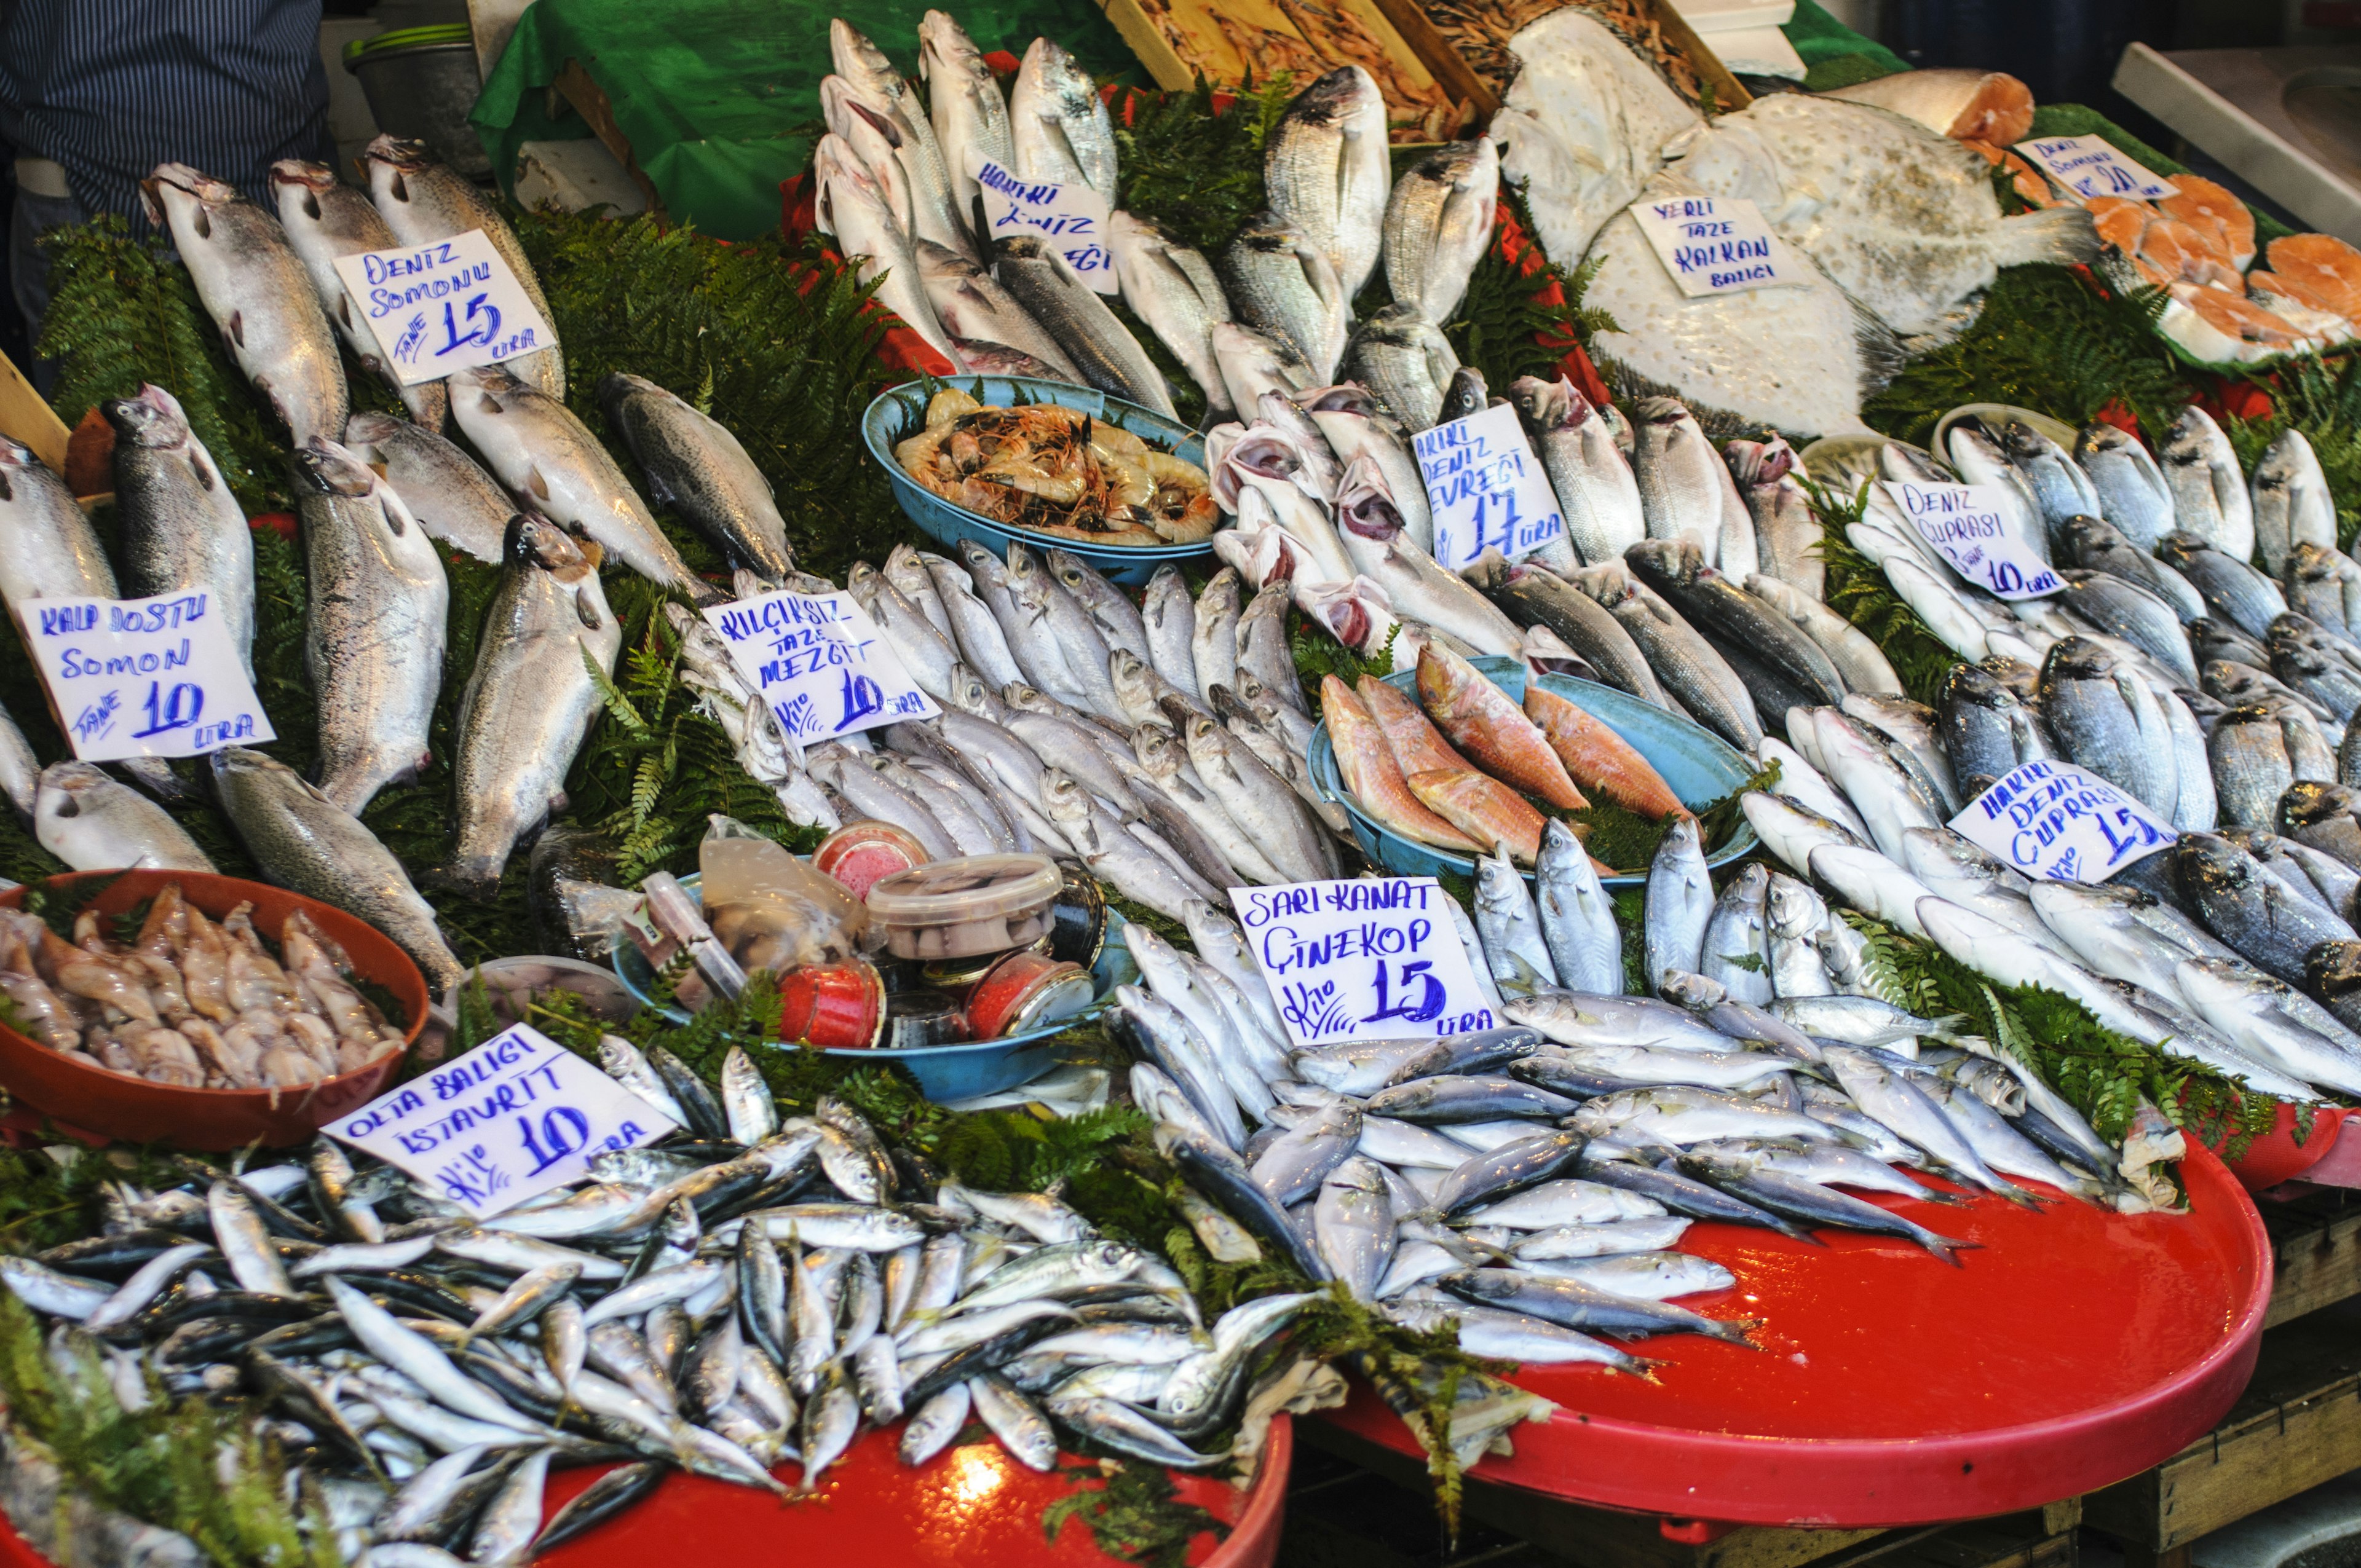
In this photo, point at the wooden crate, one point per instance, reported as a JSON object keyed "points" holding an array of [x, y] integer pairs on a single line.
{"points": [[1233, 41], [2315, 1251], [2297, 1424]]}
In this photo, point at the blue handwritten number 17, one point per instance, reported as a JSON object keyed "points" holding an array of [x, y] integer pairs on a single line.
{"points": [[454, 339]]}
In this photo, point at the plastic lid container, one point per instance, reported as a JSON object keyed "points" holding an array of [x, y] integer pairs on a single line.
{"points": [[981, 903], [862, 854]]}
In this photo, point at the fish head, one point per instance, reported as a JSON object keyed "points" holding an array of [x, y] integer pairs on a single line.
{"points": [[367, 432], [2076, 659], [153, 420], [2101, 440], [1343, 96], [2334, 970], [536, 543], [176, 191], [854, 56], [1660, 417], [2308, 802], [1364, 502], [1608, 584], [1675, 561], [1129, 673], [66, 790], [330, 469], [298, 185], [393, 161], [1063, 796], [617, 387]]}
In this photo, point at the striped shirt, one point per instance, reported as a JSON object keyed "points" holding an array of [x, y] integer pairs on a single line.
{"points": [[111, 88]]}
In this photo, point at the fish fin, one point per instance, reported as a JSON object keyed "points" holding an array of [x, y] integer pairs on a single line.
{"points": [[2062, 234], [536, 484], [236, 330]]}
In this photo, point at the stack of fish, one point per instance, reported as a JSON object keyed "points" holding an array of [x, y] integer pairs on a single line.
{"points": [[1163, 749], [2180, 676], [749, 1296], [1530, 1183], [897, 191]]}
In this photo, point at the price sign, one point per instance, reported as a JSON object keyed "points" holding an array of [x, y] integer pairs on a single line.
{"points": [[516, 1116], [444, 306], [819, 661], [1966, 525], [1071, 217], [2055, 821], [1487, 489], [1716, 245], [2091, 166], [1372, 960], [152, 677]]}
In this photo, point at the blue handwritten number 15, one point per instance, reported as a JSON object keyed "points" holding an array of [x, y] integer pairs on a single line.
{"points": [[455, 340]]}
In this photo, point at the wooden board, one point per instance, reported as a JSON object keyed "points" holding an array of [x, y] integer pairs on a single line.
{"points": [[589, 101], [2315, 1251], [26, 415], [2297, 1424]]}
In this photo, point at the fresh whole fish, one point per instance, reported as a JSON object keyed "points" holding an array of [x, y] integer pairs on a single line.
{"points": [[1786, 530], [422, 199], [1438, 224], [1686, 664], [878, 94], [93, 822], [1679, 905], [1404, 358], [973, 307], [375, 627], [2291, 504], [2231, 589], [964, 105], [1278, 279], [1737, 951], [1173, 289], [874, 237], [453, 498], [1676, 569], [1597, 493], [1059, 123], [2210, 498], [47, 549], [1253, 363], [324, 218], [1535, 597], [257, 291], [2126, 610], [1326, 167], [2098, 545], [2132, 493], [528, 704], [1037, 277], [2106, 719], [305, 842], [2325, 584], [180, 528], [697, 468]]}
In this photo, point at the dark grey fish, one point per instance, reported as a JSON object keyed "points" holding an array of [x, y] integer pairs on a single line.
{"points": [[2243, 904], [2251, 770], [1986, 728], [1508, 1170], [1684, 1195], [2131, 490], [1707, 688], [2323, 667], [2123, 608], [1465, 394], [1102, 348], [2097, 545], [2106, 719], [695, 466], [1572, 1305], [1403, 359], [1469, 1097], [2231, 589], [2211, 640], [2325, 815], [1676, 569], [1278, 280], [1534, 595], [1810, 1204]]}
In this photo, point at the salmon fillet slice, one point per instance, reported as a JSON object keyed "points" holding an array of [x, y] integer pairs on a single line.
{"points": [[2211, 210], [2319, 270]]}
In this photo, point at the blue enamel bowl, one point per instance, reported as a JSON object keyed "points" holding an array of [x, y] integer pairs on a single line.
{"points": [[1699, 766], [900, 412], [946, 1072]]}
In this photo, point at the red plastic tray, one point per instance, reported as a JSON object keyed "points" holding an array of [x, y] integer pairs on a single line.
{"points": [[2074, 1348], [972, 1506]]}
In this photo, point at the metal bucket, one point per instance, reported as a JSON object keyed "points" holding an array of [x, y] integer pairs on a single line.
{"points": [[422, 82]]}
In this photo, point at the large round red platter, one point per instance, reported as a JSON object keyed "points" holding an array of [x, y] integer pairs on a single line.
{"points": [[971, 1505], [2072, 1348]]}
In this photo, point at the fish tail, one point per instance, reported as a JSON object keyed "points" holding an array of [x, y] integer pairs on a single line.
{"points": [[2062, 234], [1944, 1248], [2015, 1194], [1734, 1330]]}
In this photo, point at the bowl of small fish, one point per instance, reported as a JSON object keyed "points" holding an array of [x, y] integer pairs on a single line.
{"points": [[996, 458], [1499, 748], [200, 1011], [963, 1068]]}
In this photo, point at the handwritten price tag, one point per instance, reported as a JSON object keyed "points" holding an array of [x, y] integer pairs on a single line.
{"points": [[1074, 218], [516, 1116], [152, 677], [819, 661], [1372, 960], [1716, 245], [2091, 166], [1487, 489], [2051, 820], [443, 307], [1966, 525]]}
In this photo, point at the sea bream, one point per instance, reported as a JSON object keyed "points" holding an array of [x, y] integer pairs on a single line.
{"points": [[1439, 224], [326, 218], [1060, 126], [258, 292], [1326, 169], [1172, 287], [1904, 219]]}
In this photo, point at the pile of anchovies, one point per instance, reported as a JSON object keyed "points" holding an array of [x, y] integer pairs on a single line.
{"points": [[1529, 1183], [746, 1296]]}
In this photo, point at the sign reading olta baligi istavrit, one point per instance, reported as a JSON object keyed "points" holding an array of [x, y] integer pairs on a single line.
{"points": [[1485, 488], [518, 1116], [1374, 958], [819, 663], [149, 678], [2061, 823], [444, 306]]}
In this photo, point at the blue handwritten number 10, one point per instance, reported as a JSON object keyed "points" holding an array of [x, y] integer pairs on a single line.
{"points": [[175, 711], [557, 1128], [454, 339]]}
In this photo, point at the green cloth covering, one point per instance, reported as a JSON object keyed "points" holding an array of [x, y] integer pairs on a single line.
{"points": [[1833, 54], [720, 99]]}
